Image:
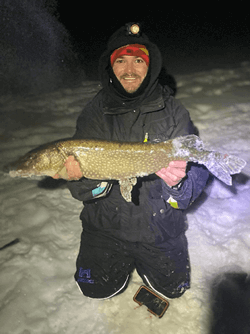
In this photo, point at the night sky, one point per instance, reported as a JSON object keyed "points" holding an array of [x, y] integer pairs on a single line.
{"points": [[191, 37], [39, 54]]}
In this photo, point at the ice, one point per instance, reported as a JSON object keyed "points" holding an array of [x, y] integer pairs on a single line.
{"points": [[37, 289]]}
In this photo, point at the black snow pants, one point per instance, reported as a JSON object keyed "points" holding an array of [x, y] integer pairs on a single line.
{"points": [[104, 265]]}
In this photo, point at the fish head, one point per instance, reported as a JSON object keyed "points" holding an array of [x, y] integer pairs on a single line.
{"points": [[38, 162]]}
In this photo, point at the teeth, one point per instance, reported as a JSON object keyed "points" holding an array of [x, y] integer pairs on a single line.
{"points": [[129, 78]]}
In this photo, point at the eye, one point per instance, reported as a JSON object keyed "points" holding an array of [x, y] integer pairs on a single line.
{"points": [[119, 60], [139, 61]]}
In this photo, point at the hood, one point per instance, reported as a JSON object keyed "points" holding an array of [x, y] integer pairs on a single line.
{"points": [[120, 38]]}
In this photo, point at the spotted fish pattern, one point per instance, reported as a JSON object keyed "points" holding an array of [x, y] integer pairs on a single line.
{"points": [[123, 161]]}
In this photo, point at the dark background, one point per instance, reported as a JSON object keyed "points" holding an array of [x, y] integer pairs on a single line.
{"points": [[48, 44], [191, 37]]}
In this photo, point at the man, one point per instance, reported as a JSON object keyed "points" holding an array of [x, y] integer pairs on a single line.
{"points": [[149, 233]]}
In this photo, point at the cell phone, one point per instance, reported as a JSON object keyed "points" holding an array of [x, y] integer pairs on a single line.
{"points": [[155, 303]]}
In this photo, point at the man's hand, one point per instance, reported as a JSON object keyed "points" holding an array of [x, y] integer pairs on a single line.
{"points": [[174, 173], [71, 170]]}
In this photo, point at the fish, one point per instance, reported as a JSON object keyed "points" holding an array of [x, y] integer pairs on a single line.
{"points": [[123, 161]]}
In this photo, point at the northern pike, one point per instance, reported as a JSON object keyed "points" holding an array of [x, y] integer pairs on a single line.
{"points": [[124, 161]]}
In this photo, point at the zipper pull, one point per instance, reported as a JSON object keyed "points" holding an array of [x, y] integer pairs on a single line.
{"points": [[146, 138]]}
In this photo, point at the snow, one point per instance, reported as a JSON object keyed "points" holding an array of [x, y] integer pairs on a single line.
{"points": [[37, 289]]}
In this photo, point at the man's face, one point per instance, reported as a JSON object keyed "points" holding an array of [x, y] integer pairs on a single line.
{"points": [[130, 71]]}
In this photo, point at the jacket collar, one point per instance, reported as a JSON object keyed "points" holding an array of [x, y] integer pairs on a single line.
{"points": [[153, 102]]}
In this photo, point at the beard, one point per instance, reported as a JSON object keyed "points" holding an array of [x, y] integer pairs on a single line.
{"points": [[115, 81], [134, 76]]}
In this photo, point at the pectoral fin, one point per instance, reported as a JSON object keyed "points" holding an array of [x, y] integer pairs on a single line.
{"points": [[126, 187]]}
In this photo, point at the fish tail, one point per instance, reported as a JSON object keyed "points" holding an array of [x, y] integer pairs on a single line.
{"points": [[223, 166], [220, 165]]}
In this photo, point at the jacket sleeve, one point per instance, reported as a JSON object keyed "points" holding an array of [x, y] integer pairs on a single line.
{"points": [[89, 124], [183, 123], [190, 189], [197, 175], [86, 190]]}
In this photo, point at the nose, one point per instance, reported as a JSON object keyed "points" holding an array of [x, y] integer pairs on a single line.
{"points": [[130, 67]]}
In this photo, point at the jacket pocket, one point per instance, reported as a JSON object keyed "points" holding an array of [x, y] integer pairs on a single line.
{"points": [[166, 222]]}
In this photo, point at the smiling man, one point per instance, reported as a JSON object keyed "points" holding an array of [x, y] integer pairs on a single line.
{"points": [[147, 234], [130, 65]]}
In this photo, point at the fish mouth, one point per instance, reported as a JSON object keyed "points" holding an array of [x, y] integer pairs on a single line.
{"points": [[26, 175]]}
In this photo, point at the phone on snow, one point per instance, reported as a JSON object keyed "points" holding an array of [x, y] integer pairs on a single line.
{"points": [[155, 303]]}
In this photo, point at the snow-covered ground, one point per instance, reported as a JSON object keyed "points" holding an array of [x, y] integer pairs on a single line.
{"points": [[37, 290]]}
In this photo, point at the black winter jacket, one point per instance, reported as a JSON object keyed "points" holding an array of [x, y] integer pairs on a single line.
{"points": [[157, 115]]}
